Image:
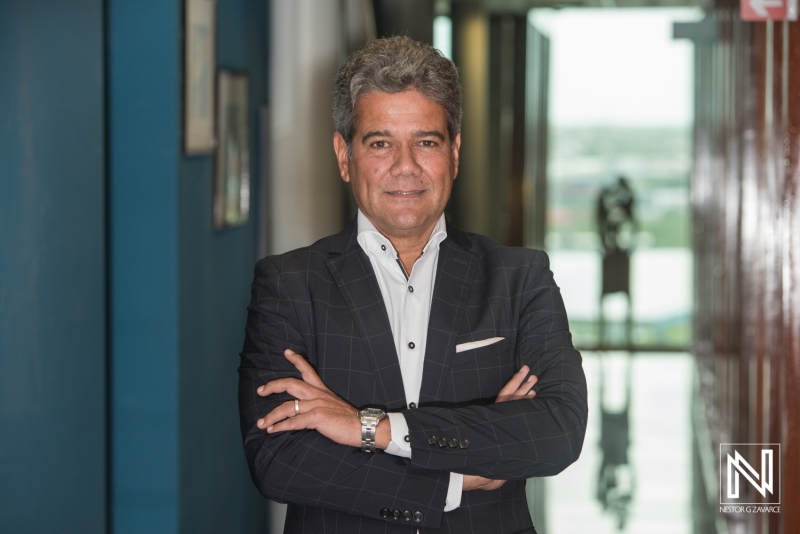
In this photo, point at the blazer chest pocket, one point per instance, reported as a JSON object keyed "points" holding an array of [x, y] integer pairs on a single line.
{"points": [[480, 355]]}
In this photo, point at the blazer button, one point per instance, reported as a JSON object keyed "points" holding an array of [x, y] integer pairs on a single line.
{"points": [[443, 442], [464, 443], [418, 517], [407, 515], [432, 440], [452, 443], [386, 512], [396, 514]]}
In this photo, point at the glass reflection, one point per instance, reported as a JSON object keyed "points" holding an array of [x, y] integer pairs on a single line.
{"points": [[649, 453]]}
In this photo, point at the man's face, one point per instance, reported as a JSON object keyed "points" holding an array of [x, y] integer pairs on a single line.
{"points": [[401, 168]]}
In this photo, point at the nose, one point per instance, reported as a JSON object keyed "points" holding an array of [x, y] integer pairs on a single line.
{"points": [[405, 163]]}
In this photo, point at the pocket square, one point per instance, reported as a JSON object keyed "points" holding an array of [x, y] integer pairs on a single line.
{"points": [[478, 344]]}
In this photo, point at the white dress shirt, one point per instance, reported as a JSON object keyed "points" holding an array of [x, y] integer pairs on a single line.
{"points": [[408, 298]]}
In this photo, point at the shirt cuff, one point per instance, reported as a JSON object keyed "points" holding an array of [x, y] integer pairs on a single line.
{"points": [[399, 446], [454, 490]]}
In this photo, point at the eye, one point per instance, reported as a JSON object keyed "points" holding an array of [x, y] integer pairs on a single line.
{"points": [[380, 144], [429, 143]]}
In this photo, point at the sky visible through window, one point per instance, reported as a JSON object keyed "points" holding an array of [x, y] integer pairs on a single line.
{"points": [[613, 67]]}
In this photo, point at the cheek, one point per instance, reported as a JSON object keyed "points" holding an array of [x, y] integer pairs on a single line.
{"points": [[440, 170]]}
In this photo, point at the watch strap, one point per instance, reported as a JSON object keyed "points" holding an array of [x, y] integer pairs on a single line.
{"points": [[370, 417]]}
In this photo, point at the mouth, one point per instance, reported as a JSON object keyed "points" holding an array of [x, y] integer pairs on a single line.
{"points": [[406, 193]]}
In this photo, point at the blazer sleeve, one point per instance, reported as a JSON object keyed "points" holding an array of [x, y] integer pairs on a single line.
{"points": [[524, 438], [305, 467]]}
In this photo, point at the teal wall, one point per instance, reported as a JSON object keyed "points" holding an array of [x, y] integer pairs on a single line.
{"points": [[52, 267], [180, 289], [216, 269], [109, 267], [144, 149]]}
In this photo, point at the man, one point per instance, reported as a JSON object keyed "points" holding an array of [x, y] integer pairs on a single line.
{"points": [[388, 372]]}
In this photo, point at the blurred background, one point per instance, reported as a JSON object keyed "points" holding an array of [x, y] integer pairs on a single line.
{"points": [[152, 151]]}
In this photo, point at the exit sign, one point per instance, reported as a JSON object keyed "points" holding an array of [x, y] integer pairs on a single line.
{"points": [[768, 9]]}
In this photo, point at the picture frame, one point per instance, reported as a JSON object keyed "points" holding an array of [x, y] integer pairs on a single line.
{"points": [[200, 27], [232, 168]]}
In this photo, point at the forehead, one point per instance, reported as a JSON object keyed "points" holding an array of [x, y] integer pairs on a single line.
{"points": [[396, 111]]}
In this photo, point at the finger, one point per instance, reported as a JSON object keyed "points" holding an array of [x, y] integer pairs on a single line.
{"points": [[287, 411], [293, 386], [515, 382], [526, 386], [301, 422], [283, 411], [306, 369]]}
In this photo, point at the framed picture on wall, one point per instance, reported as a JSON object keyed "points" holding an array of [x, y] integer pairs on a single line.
{"points": [[199, 68], [232, 174]]}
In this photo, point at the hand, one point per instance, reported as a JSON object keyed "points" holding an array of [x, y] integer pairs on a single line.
{"points": [[517, 388], [472, 482], [320, 408]]}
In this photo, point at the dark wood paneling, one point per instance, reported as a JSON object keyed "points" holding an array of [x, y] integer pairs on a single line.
{"points": [[745, 190], [790, 354]]}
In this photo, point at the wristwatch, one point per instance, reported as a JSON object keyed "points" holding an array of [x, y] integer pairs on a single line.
{"points": [[370, 417]]}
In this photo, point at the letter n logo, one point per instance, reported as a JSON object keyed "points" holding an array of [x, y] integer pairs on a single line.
{"points": [[756, 463]]}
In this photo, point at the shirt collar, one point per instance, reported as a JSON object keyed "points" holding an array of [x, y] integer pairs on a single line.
{"points": [[371, 240]]}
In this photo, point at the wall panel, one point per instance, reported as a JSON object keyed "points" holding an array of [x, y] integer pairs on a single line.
{"points": [[52, 267], [747, 242], [216, 269]]}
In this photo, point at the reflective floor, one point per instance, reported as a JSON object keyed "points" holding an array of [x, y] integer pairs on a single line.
{"points": [[657, 478]]}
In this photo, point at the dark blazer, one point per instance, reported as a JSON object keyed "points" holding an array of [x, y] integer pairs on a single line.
{"points": [[324, 302]]}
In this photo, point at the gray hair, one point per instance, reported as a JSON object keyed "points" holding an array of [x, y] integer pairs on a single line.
{"points": [[393, 65]]}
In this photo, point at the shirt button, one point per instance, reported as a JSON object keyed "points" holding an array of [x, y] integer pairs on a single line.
{"points": [[408, 439], [410, 289], [412, 405], [383, 247], [418, 517], [411, 345]]}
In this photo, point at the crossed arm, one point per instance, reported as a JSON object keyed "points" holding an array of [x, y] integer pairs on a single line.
{"points": [[319, 409], [319, 461]]}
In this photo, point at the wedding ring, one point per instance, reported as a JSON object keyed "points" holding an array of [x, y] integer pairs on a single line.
{"points": [[297, 406]]}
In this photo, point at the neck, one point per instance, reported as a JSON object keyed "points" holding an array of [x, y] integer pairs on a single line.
{"points": [[409, 245]]}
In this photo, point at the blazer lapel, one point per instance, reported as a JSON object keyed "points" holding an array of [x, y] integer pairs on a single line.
{"points": [[353, 273], [454, 274]]}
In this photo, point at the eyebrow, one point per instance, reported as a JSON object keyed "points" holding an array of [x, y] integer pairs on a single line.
{"points": [[417, 134], [381, 133], [429, 133]]}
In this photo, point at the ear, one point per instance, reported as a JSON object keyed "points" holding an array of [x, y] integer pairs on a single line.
{"points": [[456, 147], [342, 158]]}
